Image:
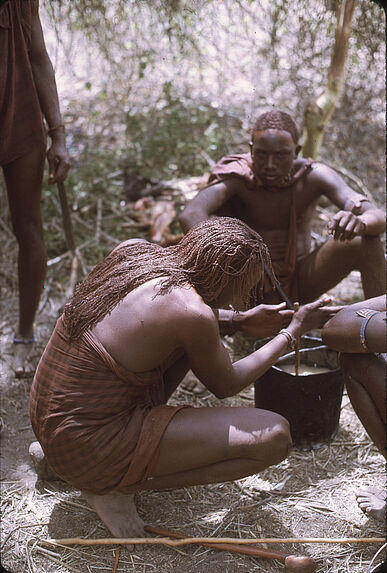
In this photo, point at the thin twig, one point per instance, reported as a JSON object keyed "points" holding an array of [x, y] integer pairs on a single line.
{"points": [[116, 560]]}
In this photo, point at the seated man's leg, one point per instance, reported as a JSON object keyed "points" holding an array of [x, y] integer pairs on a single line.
{"points": [[364, 376], [202, 446], [330, 263]]}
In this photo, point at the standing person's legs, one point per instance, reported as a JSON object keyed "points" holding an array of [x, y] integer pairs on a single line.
{"points": [[23, 178], [202, 446], [329, 264]]}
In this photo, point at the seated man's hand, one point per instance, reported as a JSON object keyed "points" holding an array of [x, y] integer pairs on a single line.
{"points": [[266, 320], [345, 226]]}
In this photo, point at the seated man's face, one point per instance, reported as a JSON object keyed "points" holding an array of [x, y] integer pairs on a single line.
{"points": [[273, 152]]}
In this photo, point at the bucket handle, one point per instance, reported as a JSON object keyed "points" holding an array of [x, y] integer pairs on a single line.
{"points": [[302, 350]]}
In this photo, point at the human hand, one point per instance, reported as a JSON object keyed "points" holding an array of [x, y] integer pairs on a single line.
{"points": [[345, 226], [312, 315], [266, 319], [58, 162]]}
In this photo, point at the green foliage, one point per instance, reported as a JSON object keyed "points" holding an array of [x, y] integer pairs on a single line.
{"points": [[166, 139]]}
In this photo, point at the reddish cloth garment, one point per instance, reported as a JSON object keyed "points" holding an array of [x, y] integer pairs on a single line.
{"points": [[99, 425], [240, 166], [21, 123]]}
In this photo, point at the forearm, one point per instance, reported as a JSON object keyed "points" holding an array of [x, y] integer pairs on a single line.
{"points": [[229, 321], [45, 83], [374, 220], [253, 366]]}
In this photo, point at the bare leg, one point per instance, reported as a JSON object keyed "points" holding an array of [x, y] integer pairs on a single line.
{"points": [[212, 445], [201, 446], [23, 179], [328, 265], [364, 376]]}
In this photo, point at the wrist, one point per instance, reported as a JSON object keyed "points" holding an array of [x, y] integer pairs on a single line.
{"points": [[56, 131], [364, 226], [292, 340]]}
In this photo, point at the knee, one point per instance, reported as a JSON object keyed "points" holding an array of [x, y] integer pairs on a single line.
{"points": [[280, 441], [29, 233]]}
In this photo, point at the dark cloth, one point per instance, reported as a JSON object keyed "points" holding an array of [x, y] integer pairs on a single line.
{"points": [[99, 425], [21, 123], [240, 166]]}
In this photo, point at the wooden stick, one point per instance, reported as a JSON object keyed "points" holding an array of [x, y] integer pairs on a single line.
{"points": [[201, 540], [297, 347], [116, 560], [66, 218], [70, 241], [234, 547]]}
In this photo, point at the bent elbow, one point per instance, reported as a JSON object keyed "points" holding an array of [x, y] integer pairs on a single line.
{"points": [[223, 393]]}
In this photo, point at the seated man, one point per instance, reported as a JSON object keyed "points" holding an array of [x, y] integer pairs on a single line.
{"points": [[359, 333], [276, 193], [134, 327]]}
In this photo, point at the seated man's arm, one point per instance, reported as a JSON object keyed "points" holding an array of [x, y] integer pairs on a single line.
{"points": [[357, 215], [342, 332], [206, 203]]}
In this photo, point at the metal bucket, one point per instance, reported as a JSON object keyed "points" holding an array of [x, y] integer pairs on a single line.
{"points": [[311, 403]]}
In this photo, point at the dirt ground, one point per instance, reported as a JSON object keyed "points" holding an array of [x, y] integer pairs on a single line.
{"points": [[309, 495]]}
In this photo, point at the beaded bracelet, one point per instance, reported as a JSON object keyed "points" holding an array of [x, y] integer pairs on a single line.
{"points": [[365, 313], [231, 313], [292, 341]]}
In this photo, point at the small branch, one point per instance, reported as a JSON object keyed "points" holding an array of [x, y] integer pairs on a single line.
{"points": [[99, 221]]}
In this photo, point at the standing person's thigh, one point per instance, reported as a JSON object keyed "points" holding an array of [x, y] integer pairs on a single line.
{"points": [[23, 178], [325, 267], [198, 437]]}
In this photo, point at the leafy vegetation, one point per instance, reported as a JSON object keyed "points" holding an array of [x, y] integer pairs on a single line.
{"points": [[145, 85]]}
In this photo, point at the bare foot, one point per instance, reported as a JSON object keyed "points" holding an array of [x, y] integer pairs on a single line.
{"points": [[23, 349], [118, 512], [193, 385], [38, 459], [373, 502]]}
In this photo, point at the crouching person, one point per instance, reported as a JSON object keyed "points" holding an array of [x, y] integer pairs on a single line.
{"points": [[143, 317]]}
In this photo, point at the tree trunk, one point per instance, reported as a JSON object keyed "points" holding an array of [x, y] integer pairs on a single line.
{"points": [[318, 113]]}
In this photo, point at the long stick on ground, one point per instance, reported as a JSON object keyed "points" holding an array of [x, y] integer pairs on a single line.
{"points": [[201, 540]]}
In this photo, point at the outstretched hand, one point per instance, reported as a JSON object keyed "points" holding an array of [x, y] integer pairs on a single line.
{"points": [[314, 315], [266, 320]]}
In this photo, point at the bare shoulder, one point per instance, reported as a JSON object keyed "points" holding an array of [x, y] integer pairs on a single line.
{"points": [[326, 181], [224, 188], [128, 242]]}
